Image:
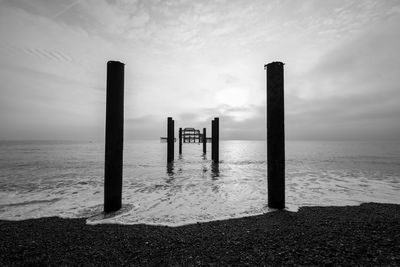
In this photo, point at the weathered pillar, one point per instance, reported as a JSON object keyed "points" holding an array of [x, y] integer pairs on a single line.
{"points": [[275, 135], [180, 141], [215, 140], [204, 140], [212, 139], [170, 140], [216, 156], [114, 136]]}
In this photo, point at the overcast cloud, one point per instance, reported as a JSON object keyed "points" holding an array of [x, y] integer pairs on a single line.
{"points": [[195, 60]]}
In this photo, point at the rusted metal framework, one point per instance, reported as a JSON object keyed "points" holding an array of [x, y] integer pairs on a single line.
{"points": [[191, 135], [194, 136]]}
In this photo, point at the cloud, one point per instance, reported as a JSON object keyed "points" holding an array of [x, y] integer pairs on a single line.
{"points": [[354, 89], [153, 127], [68, 7], [198, 60]]}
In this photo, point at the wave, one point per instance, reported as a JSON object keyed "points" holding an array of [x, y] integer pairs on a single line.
{"points": [[31, 202]]}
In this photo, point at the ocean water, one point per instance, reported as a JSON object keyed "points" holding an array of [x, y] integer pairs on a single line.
{"points": [[65, 179]]}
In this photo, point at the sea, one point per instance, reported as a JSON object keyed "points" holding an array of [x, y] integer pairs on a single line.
{"points": [[66, 179]]}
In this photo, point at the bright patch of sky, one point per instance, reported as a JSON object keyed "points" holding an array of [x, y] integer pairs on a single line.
{"points": [[195, 60]]}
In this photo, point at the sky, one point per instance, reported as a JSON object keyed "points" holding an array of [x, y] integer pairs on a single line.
{"points": [[196, 60]]}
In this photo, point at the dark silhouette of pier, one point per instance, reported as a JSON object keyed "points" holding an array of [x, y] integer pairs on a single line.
{"points": [[187, 135], [170, 139], [275, 135], [114, 137], [192, 135], [215, 140]]}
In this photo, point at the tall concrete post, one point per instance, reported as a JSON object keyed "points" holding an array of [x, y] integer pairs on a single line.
{"points": [[212, 139], [170, 140], [180, 141], [216, 135], [215, 140], [275, 135], [114, 136], [204, 140]]}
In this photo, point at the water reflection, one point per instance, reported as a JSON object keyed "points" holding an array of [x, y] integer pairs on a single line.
{"points": [[205, 169], [170, 171], [214, 171]]}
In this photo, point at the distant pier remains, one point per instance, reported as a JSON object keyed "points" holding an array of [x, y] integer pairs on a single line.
{"points": [[192, 135]]}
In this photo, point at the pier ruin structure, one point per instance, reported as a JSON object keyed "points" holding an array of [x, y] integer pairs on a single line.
{"points": [[115, 126], [192, 135]]}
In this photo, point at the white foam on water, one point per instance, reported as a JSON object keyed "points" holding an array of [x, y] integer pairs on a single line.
{"points": [[66, 180]]}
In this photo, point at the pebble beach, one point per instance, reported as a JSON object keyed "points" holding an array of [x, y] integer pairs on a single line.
{"points": [[365, 235]]}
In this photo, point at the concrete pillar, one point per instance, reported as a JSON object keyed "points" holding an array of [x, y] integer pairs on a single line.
{"points": [[170, 140], [215, 140], [212, 139], [204, 140], [114, 136], [180, 141], [275, 135]]}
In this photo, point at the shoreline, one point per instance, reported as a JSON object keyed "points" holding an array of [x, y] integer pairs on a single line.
{"points": [[368, 234]]}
